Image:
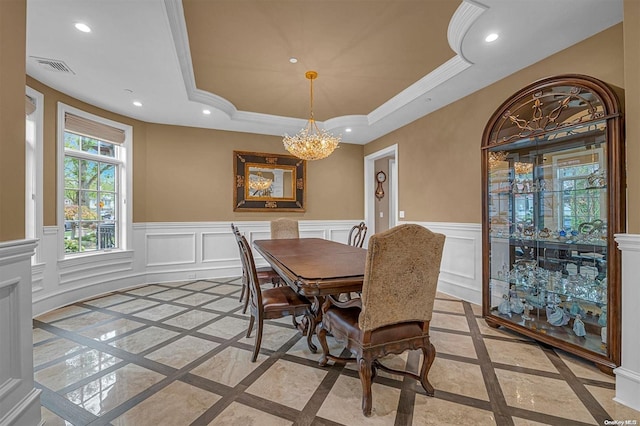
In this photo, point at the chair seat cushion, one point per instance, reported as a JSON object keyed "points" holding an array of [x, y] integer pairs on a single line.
{"points": [[277, 298], [343, 322]]}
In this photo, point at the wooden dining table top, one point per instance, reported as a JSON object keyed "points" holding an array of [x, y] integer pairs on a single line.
{"points": [[314, 266]]}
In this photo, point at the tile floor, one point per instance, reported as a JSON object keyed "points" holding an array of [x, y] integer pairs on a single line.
{"points": [[176, 354]]}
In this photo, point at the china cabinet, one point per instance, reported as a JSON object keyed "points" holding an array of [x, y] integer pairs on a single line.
{"points": [[553, 198]]}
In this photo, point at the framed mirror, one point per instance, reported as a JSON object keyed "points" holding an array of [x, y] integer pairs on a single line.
{"points": [[265, 182]]}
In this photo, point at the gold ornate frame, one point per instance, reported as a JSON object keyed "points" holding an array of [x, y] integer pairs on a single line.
{"points": [[285, 192]]}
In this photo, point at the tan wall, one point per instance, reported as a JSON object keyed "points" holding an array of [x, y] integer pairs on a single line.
{"points": [[632, 110], [189, 177], [13, 15], [439, 155], [183, 174]]}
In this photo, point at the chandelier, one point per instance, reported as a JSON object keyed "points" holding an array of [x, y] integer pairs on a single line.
{"points": [[259, 184], [496, 157], [311, 143], [523, 168]]}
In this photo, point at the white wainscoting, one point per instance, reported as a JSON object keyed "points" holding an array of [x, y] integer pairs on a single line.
{"points": [[161, 252], [461, 266], [19, 400], [168, 251]]}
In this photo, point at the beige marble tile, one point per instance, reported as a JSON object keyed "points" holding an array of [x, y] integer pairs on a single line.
{"points": [[273, 336], [226, 327], [83, 321], [477, 309], [242, 415], [543, 395], [225, 304], [584, 369], [200, 285], [433, 411], [196, 299], [146, 290], [54, 349], [133, 306], [229, 366], [71, 370], [445, 375], [451, 322], [224, 289], [288, 383], [616, 410], [111, 329], [522, 355], [344, 403], [159, 312], [61, 313], [517, 421], [109, 300], [485, 330], [191, 319], [112, 389], [177, 404], [40, 335], [170, 294], [300, 349], [181, 352], [454, 344], [448, 306], [143, 339], [440, 295], [51, 419]]}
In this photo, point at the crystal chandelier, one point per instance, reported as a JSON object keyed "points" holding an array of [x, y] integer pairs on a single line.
{"points": [[311, 143], [496, 157]]}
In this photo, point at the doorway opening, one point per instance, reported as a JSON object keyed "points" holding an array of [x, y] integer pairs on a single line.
{"points": [[381, 213]]}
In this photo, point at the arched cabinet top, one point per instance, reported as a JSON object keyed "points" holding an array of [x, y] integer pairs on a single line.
{"points": [[549, 106]]}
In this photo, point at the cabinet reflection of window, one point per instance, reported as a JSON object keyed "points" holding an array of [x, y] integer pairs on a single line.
{"points": [[580, 202]]}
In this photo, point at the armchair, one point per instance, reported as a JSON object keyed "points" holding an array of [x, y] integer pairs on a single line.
{"points": [[394, 311]]}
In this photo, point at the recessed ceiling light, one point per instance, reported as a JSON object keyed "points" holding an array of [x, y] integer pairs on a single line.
{"points": [[293, 60], [348, 130], [206, 112], [137, 103], [491, 37], [83, 27]]}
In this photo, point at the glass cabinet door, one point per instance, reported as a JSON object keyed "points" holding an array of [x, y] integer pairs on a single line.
{"points": [[551, 206]]}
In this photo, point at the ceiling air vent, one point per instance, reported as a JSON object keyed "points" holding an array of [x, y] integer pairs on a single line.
{"points": [[53, 65]]}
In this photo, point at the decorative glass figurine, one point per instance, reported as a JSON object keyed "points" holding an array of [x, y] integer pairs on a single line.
{"points": [[516, 305], [576, 309], [558, 317], [603, 317], [578, 326], [505, 307]]}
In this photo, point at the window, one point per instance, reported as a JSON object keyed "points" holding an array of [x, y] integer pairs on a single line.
{"points": [[94, 182], [34, 117], [579, 204]]}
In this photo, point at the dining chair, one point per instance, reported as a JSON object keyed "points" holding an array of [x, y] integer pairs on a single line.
{"points": [[357, 234], [265, 274], [284, 228], [273, 303], [394, 311]]}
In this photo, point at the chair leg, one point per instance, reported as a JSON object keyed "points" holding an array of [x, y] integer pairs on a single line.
{"points": [[429, 355], [322, 338], [365, 370], [256, 349], [250, 326]]}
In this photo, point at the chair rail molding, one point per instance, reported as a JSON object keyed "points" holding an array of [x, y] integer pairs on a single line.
{"points": [[19, 400], [628, 374]]}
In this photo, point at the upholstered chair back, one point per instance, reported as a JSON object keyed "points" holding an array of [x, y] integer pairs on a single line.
{"points": [[284, 228], [401, 276]]}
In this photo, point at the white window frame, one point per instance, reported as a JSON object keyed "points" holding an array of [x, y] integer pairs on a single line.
{"points": [[125, 227], [34, 159]]}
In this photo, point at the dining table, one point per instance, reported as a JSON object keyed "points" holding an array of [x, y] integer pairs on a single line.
{"points": [[315, 268]]}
